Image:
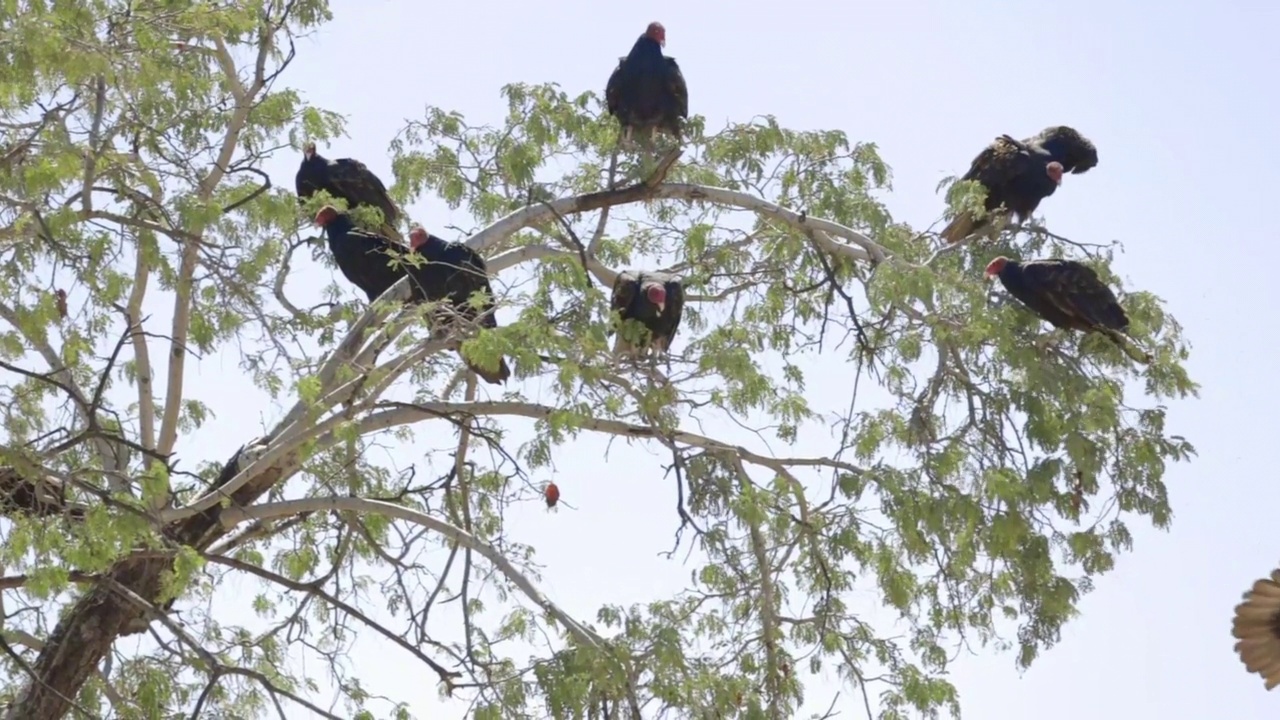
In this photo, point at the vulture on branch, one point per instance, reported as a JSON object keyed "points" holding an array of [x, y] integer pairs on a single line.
{"points": [[1256, 627], [1068, 295], [454, 272], [1018, 175], [347, 179], [363, 257], [656, 300], [647, 90]]}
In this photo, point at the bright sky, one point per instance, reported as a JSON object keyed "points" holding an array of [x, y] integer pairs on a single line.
{"points": [[1181, 100]]}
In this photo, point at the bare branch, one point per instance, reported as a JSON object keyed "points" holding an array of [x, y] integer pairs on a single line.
{"points": [[233, 516]]}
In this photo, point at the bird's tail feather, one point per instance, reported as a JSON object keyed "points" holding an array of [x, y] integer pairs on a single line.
{"points": [[493, 377], [958, 229], [1127, 345]]}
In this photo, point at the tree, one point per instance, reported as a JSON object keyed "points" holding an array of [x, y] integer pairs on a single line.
{"points": [[988, 478]]}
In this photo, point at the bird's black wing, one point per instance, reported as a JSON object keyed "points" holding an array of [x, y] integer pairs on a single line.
{"points": [[1066, 145], [614, 90], [371, 265], [305, 183], [675, 306], [1076, 289], [625, 287], [994, 166], [677, 87], [473, 276], [360, 186]]}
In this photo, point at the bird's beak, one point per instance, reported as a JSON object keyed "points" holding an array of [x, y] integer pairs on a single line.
{"points": [[661, 307], [989, 276]]}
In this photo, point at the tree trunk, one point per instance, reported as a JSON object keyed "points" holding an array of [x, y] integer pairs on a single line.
{"points": [[86, 633]]}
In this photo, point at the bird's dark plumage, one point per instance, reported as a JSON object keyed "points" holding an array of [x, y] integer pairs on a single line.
{"points": [[636, 296], [364, 258], [1256, 627], [350, 180], [1067, 294], [454, 272], [1018, 175], [647, 89]]}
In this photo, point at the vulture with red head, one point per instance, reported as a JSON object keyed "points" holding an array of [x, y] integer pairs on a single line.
{"points": [[350, 180], [365, 258], [1067, 294], [453, 272], [1256, 627], [1019, 174], [656, 301], [647, 90]]}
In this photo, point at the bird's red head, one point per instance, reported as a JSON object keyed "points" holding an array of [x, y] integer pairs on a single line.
{"points": [[656, 32], [327, 214], [657, 295], [308, 150], [417, 238], [995, 266], [1054, 169], [551, 494]]}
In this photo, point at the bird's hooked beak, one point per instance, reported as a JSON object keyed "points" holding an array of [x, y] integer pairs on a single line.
{"points": [[661, 307]]}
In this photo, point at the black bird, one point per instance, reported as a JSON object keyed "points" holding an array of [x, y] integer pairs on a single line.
{"points": [[454, 272], [1020, 174], [647, 90], [1067, 294], [654, 299], [350, 180], [364, 258]]}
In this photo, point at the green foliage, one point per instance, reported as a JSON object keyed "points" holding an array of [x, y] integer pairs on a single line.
{"points": [[985, 469]]}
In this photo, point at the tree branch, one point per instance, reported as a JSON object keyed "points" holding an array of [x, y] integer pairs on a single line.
{"points": [[406, 413], [233, 516]]}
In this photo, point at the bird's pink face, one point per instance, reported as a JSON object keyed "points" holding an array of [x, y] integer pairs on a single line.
{"points": [[1054, 169], [417, 238], [326, 215], [308, 150], [995, 266], [657, 32], [657, 295]]}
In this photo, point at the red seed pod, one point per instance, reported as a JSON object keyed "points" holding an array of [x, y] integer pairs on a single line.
{"points": [[62, 302], [552, 494]]}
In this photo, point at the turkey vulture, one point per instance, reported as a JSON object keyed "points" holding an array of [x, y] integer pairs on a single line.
{"points": [[347, 179], [363, 257], [654, 299], [647, 90], [454, 272], [1257, 629], [1068, 294], [1018, 175]]}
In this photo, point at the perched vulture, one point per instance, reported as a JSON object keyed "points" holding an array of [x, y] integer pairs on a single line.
{"points": [[454, 272], [347, 179], [656, 300], [647, 90], [1019, 174], [363, 257], [1257, 629], [1068, 295]]}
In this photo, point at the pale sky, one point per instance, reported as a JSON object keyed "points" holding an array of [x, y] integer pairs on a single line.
{"points": [[1181, 100]]}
